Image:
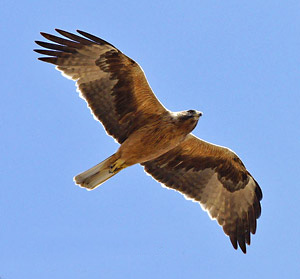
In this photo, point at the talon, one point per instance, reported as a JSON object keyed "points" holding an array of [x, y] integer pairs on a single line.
{"points": [[112, 168], [117, 166]]}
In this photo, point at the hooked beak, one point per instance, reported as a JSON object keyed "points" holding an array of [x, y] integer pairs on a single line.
{"points": [[199, 114]]}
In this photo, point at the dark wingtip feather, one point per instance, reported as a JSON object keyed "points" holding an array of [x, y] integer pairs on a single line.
{"points": [[243, 248], [94, 38], [45, 35], [248, 237], [59, 30], [62, 32], [258, 192], [241, 235], [56, 47], [253, 229], [38, 50], [48, 36], [242, 244], [51, 60], [74, 37], [46, 52], [257, 207], [233, 241], [38, 42], [60, 40]]}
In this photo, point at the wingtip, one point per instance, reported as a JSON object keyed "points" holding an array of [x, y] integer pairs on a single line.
{"points": [[248, 237], [81, 32], [39, 43], [233, 241], [40, 51], [46, 35], [94, 38], [242, 245], [51, 60], [258, 192], [61, 32]]}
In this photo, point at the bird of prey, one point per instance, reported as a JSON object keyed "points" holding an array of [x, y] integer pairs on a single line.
{"points": [[119, 96]]}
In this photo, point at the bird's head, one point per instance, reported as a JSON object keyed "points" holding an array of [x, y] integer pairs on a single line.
{"points": [[189, 118], [191, 114]]}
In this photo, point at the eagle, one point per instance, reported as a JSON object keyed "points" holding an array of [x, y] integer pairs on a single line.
{"points": [[118, 94]]}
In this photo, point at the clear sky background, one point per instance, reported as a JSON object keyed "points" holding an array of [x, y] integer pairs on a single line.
{"points": [[237, 61]]}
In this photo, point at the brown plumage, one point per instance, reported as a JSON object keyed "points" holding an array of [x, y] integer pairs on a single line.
{"points": [[119, 96]]}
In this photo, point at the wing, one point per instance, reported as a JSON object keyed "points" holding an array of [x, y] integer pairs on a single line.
{"points": [[113, 85], [217, 178]]}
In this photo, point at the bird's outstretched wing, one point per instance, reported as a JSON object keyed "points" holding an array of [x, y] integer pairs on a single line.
{"points": [[113, 85], [216, 178]]}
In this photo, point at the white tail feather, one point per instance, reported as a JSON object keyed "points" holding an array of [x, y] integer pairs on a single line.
{"points": [[98, 174]]}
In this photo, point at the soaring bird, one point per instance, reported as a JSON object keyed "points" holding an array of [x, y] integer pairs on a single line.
{"points": [[119, 96]]}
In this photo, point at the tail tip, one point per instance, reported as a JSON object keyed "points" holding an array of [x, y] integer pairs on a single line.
{"points": [[80, 181]]}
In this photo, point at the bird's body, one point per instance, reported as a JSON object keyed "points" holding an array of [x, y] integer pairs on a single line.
{"points": [[156, 138], [162, 134], [118, 94]]}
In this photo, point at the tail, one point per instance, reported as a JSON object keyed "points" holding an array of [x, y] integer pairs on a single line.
{"points": [[98, 174]]}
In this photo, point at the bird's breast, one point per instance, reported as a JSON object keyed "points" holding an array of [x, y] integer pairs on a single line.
{"points": [[149, 142]]}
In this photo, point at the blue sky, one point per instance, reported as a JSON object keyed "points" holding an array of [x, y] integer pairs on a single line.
{"points": [[236, 61]]}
